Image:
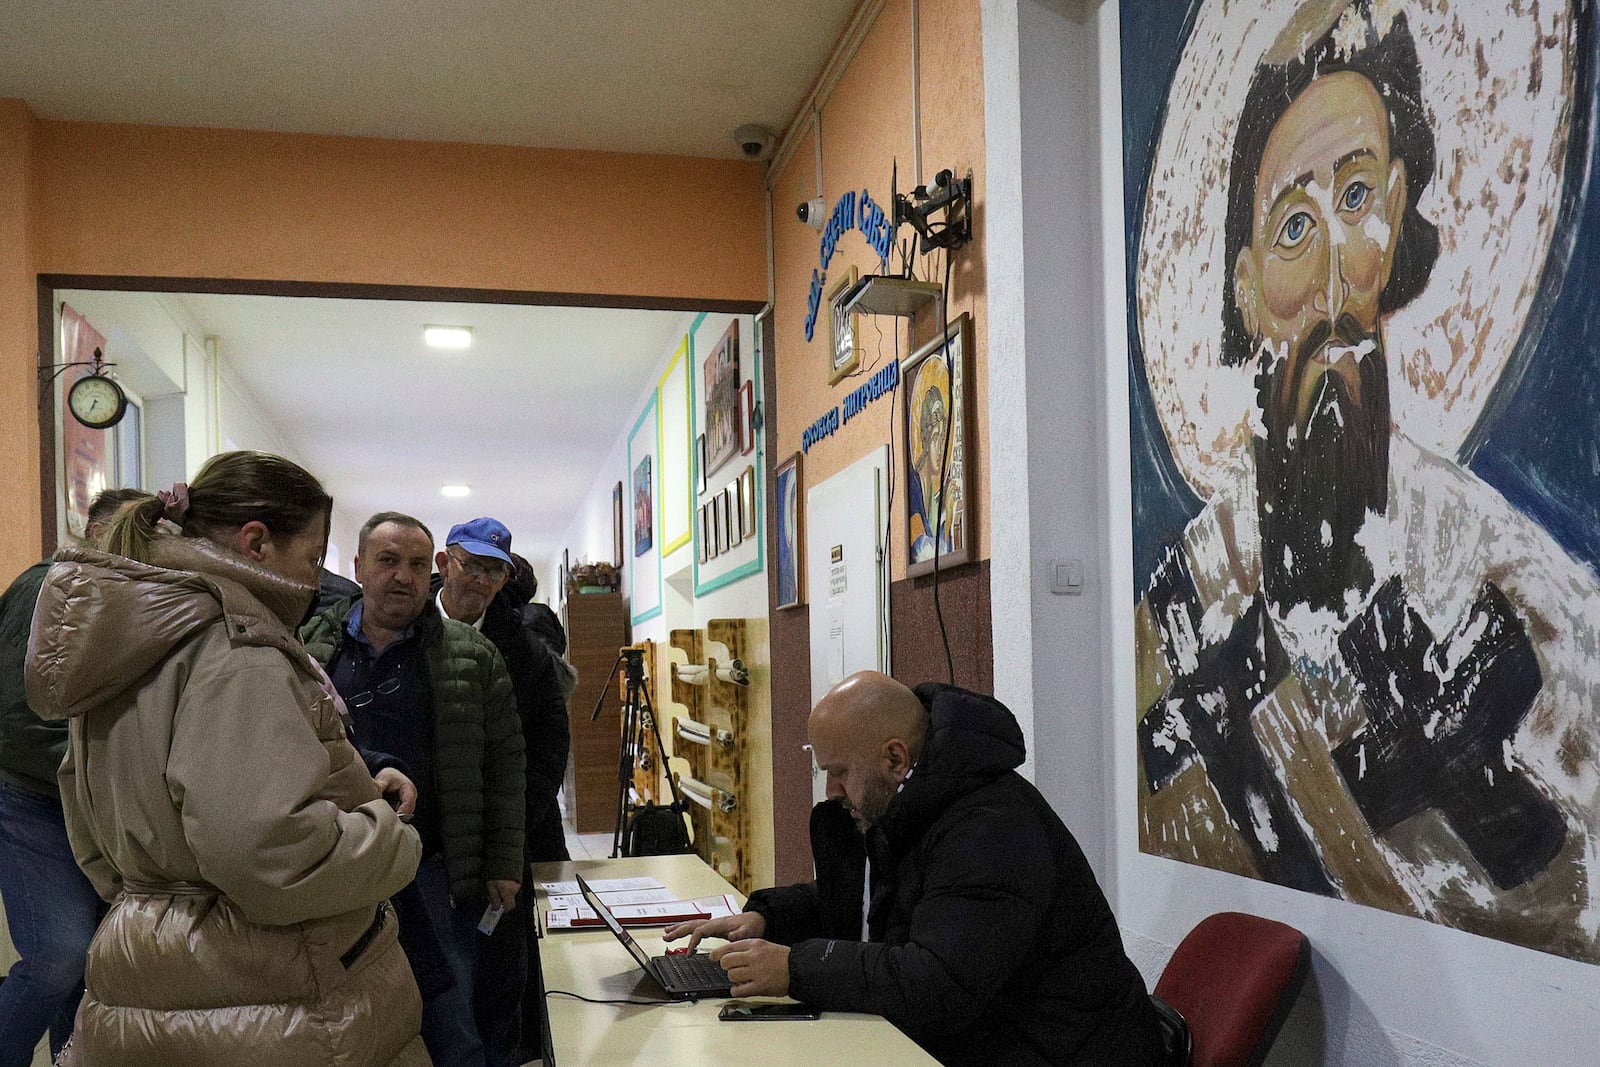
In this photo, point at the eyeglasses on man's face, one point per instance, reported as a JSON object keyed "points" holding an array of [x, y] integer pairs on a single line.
{"points": [[481, 572]]}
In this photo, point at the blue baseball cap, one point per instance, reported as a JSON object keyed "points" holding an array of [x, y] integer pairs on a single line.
{"points": [[482, 537]]}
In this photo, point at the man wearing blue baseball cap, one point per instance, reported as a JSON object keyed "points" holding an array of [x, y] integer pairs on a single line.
{"points": [[474, 567], [471, 588]]}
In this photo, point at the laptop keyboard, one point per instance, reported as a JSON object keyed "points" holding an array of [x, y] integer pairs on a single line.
{"points": [[699, 971]]}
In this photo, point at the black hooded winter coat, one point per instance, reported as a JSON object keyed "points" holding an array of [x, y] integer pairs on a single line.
{"points": [[991, 942]]}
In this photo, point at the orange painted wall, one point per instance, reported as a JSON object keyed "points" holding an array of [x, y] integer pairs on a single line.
{"points": [[866, 127], [171, 202], [234, 204], [19, 424]]}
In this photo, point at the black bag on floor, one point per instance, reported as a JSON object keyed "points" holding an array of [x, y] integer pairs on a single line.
{"points": [[656, 830]]}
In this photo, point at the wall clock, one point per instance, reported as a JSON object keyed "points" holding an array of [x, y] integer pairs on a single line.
{"points": [[97, 402]]}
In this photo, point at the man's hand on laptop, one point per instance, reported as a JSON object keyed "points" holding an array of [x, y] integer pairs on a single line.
{"points": [[730, 928], [756, 968]]}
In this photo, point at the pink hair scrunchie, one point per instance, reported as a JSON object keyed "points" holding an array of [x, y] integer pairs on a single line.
{"points": [[174, 502]]}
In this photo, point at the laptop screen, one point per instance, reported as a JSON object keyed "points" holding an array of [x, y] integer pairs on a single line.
{"points": [[611, 921]]}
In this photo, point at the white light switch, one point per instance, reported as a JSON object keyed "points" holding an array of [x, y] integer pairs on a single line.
{"points": [[1066, 577]]}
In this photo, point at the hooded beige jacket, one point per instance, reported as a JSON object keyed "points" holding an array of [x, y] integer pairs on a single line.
{"points": [[212, 798]]}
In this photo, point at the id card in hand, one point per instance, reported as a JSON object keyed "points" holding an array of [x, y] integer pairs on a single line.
{"points": [[491, 919]]}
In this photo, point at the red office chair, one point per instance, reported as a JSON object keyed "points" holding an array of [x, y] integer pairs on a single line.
{"points": [[1234, 979]]}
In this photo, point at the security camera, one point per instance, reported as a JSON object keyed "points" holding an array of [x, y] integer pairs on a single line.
{"points": [[810, 212], [754, 140]]}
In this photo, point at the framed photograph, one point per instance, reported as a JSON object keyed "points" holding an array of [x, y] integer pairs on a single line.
{"points": [[700, 456], [735, 527], [730, 521], [936, 419], [701, 530], [845, 332], [616, 526], [747, 407], [747, 503], [789, 503], [713, 529], [721, 370], [643, 509]]}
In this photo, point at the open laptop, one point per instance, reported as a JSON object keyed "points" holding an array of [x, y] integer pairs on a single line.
{"points": [[683, 977]]}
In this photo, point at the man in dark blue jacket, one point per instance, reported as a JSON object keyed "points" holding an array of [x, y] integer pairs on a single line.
{"points": [[949, 897]]}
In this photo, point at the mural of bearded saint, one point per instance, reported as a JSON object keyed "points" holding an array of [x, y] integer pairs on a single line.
{"points": [[1362, 672]]}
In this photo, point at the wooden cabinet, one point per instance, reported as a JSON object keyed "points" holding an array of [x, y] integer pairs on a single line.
{"points": [[597, 627]]}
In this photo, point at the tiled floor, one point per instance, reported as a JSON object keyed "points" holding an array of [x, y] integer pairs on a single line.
{"points": [[586, 846]]}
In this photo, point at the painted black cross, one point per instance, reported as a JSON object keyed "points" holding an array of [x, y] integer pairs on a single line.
{"points": [[1438, 716], [1214, 695]]}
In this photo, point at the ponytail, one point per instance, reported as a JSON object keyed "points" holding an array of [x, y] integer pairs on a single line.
{"points": [[131, 530], [232, 489]]}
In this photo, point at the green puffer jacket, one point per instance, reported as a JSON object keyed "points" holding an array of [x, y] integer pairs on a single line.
{"points": [[30, 748], [480, 761]]}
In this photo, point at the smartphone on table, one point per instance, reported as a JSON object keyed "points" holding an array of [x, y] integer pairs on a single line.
{"points": [[744, 1011]]}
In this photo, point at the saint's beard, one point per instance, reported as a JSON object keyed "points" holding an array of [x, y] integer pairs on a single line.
{"points": [[1314, 488]]}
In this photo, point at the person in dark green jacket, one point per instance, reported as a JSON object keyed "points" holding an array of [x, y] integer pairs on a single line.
{"points": [[434, 694], [50, 907]]}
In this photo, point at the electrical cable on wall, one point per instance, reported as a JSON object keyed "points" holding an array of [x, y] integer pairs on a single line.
{"points": [[944, 469], [888, 511], [921, 208]]}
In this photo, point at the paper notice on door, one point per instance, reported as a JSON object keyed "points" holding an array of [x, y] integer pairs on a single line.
{"points": [[835, 651]]}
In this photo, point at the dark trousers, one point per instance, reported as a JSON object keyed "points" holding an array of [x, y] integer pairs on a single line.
{"points": [[448, 1028], [501, 977]]}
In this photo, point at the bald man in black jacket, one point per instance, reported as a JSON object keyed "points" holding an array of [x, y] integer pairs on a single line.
{"points": [[984, 935]]}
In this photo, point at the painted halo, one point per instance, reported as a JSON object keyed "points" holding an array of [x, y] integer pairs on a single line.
{"points": [[1497, 90], [930, 376]]}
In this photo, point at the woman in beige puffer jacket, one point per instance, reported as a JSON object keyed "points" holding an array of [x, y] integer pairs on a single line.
{"points": [[211, 795]]}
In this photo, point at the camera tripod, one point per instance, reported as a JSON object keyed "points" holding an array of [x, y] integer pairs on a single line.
{"points": [[637, 716]]}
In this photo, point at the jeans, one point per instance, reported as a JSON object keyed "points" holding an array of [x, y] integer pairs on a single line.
{"points": [[52, 912], [448, 1027]]}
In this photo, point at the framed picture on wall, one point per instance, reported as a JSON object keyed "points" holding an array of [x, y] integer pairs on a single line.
{"points": [[700, 455], [721, 377], [730, 521], [713, 529], [845, 354], [747, 503], [789, 503], [937, 416], [747, 407], [643, 508], [616, 526], [700, 534]]}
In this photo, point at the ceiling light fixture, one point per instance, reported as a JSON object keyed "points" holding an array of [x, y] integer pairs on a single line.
{"points": [[455, 490], [447, 336]]}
